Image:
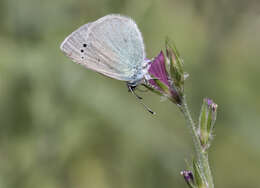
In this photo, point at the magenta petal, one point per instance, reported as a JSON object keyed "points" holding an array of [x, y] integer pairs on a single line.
{"points": [[209, 102], [158, 70]]}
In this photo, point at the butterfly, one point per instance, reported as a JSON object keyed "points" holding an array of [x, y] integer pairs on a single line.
{"points": [[112, 46]]}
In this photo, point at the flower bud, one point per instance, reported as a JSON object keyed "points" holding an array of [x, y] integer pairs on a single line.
{"points": [[176, 66], [188, 177], [207, 120]]}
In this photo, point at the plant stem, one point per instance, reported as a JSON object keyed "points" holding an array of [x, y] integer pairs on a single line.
{"points": [[201, 154]]}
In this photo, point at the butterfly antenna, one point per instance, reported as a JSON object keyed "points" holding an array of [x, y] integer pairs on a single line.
{"points": [[139, 99]]}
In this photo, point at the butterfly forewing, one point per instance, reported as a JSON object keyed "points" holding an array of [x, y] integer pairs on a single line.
{"points": [[112, 45], [73, 45], [78, 48]]}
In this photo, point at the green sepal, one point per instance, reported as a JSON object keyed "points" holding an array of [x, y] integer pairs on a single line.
{"points": [[199, 182], [209, 121], [203, 124], [213, 118], [176, 65], [153, 89], [162, 86]]}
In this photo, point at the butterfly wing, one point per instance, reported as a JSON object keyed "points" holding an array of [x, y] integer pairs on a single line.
{"points": [[73, 45], [112, 46]]}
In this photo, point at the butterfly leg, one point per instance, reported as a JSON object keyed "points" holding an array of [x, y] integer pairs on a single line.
{"points": [[132, 88]]}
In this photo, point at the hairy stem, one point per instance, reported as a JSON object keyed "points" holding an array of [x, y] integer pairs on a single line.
{"points": [[201, 154]]}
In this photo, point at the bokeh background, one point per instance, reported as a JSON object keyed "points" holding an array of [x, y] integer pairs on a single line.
{"points": [[63, 126]]}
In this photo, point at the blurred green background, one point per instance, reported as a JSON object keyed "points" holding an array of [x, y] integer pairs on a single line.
{"points": [[65, 126]]}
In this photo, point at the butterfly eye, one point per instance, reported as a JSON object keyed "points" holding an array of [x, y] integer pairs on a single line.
{"points": [[81, 51], [85, 45]]}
